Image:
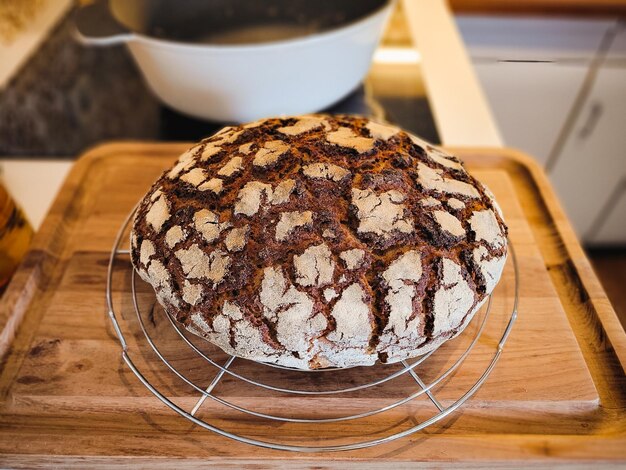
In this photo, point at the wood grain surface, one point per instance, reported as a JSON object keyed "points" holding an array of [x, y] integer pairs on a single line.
{"points": [[556, 396]]}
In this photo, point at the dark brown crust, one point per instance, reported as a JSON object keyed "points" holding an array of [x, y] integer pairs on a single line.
{"points": [[390, 165]]}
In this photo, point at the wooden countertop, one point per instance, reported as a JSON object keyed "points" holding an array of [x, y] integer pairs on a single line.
{"points": [[542, 7]]}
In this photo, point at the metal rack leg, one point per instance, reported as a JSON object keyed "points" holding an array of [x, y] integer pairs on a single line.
{"points": [[423, 385], [212, 385]]}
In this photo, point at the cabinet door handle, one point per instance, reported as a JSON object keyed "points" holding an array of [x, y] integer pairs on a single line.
{"points": [[595, 112]]}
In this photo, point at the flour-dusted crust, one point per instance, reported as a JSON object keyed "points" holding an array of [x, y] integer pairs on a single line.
{"points": [[318, 241]]}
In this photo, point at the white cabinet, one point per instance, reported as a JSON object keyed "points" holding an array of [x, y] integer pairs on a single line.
{"points": [[533, 70], [530, 100], [589, 172]]}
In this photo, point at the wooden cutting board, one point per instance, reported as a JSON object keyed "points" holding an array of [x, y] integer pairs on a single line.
{"points": [[557, 394]]}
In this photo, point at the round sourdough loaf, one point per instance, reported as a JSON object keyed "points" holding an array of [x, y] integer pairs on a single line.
{"points": [[318, 241]]}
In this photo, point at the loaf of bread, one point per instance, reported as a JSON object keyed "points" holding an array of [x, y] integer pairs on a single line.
{"points": [[318, 241]]}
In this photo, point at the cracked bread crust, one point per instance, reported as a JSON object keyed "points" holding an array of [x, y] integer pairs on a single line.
{"points": [[318, 241]]}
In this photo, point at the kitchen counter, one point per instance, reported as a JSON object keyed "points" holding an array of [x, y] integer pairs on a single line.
{"points": [[34, 183]]}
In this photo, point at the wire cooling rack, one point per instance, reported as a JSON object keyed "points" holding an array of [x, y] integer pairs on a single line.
{"points": [[165, 335]]}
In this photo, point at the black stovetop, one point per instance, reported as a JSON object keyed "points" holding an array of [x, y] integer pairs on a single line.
{"points": [[68, 98]]}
